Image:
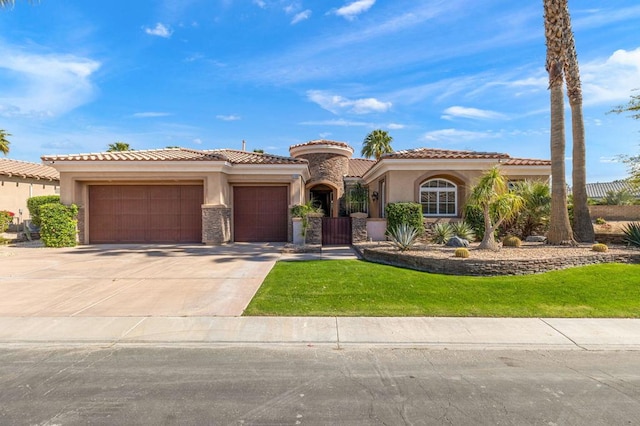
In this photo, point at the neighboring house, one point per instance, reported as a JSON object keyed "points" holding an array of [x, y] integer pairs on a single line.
{"points": [[217, 196], [20, 180], [598, 191]]}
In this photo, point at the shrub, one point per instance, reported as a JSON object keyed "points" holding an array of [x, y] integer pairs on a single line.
{"points": [[34, 204], [475, 219], [600, 221], [58, 224], [6, 217], [461, 252], [404, 236], [463, 230], [511, 241], [632, 234], [599, 247], [442, 232], [409, 213]]}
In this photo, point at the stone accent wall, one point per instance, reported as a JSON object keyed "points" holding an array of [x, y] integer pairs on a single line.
{"points": [[359, 228], [216, 224], [314, 232], [81, 222], [615, 212], [459, 266], [327, 167]]}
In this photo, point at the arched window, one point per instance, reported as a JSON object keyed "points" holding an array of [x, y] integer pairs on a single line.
{"points": [[439, 197]]}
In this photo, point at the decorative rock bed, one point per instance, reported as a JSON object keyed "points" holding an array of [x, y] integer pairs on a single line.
{"points": [[530, 258]]}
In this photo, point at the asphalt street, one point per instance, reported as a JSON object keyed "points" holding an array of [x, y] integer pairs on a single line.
{"points": [[307, 385]]}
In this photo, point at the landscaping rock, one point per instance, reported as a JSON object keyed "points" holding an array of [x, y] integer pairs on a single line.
{"points": [[457, 242], [536, 239]]}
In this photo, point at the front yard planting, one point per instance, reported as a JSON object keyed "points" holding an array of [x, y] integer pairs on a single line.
{"points": [[357, 288]]}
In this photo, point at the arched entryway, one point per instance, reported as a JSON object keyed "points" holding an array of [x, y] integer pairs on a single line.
{"points": [[324, 197]]}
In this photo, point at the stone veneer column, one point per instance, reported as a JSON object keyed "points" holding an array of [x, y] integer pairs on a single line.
{"points": [[80, 225], [314, 233], [359, 228], [216, 224]]}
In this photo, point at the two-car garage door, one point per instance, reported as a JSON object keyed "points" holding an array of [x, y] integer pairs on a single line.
{"points": [[145, 213]]}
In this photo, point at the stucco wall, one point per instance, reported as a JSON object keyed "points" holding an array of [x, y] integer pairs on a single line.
{"points": [[15, 192]]}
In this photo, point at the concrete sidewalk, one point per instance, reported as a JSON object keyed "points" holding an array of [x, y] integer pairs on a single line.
{"points": [[337, 332]]}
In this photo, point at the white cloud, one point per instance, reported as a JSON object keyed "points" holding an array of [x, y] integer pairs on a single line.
{"points": [[230, 117], [395, 126], [611, 80], [455, 135], [159, 30], [473, 113], [337, 104], [197, 141], [302, 16], [150, 114], [354, 9], [44, 85], [260, 3], [608, 160]]}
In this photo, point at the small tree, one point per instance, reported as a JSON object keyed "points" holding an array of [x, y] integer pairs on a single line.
{"points": [[497, 203], [118, 146], [377, 143]]}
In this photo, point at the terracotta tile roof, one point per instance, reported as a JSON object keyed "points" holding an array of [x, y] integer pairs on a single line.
{"points": [[444, 154], [178, 154], [322, 142], [359, 166], [526, 162], [23, 169]]}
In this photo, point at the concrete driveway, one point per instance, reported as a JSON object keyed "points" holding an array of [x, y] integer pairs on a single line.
{"points": [[132, 280]]}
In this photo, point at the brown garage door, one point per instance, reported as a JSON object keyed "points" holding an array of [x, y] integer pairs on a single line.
{"points": [[145, 214], [260, 213]]}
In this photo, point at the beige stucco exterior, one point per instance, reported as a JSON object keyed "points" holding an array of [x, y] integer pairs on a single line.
{"points": [[14, 192]]}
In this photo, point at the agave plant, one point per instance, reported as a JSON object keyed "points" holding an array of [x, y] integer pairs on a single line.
{"points": [[404, 236], [632, 233], [463, 230], [442, 232]]}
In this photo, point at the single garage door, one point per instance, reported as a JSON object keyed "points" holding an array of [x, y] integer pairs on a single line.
{"points": [[260, 213], [145, 214]]}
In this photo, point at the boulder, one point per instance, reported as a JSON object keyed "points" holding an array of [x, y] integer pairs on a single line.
{"points": [[536, 239], [457, 242]]}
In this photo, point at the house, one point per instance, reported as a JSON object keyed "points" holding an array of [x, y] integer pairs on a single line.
{"points": [[20, 180], [599, 190], [179, 195]]}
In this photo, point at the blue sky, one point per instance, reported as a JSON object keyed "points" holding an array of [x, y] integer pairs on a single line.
{"points": [[451, 74]]}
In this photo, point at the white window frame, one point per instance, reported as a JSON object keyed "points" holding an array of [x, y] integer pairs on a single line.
{"points": [[438, 191]]}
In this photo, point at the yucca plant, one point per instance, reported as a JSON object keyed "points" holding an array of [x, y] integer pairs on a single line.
{"points": [[463, 230], [632, 233], [442, 232], [404, 236]]}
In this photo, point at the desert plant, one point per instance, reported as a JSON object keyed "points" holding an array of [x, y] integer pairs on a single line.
{"points": [[632, 233], [463, 230], [6, 217], [442, 232], [403, 236], [461, 252], [58, 224], [34, 203], [410, 213], [600, 221], [599, 247], [511, 241]]}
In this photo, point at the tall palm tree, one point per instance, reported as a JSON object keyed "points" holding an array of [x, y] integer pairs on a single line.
{"points": [[4, 142], [559, 225], [492, 196], [582, 226], [118, 146], [377, 143]]}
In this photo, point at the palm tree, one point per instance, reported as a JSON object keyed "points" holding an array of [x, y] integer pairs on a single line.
{"points": [[377, 143], [492, 196], [559, 226], [4, 3], [118, 146], [4, 143], [582, 226]]}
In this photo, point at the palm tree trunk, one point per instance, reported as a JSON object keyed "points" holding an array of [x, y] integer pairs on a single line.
{"points": [[582, 226]]}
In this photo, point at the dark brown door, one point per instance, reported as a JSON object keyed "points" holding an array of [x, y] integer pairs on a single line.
{"points": [[145, 213], [260, 213], [336, 231]]}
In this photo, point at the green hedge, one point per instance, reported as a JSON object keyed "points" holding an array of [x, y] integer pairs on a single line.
{"points": [[58, 224], [409, 213], [34, 204]]}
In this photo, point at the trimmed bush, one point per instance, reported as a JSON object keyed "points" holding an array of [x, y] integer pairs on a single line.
{"points": [[599, 247], [409, 213], [511, 241], [58, 224], [34, 204], [461, 252]]}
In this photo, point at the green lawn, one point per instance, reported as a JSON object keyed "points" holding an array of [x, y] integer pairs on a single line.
{"points": [[358, 288]]}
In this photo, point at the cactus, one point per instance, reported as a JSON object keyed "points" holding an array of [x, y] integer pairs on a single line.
{"points": [[599, 247], [461, 252], [511, 241]]}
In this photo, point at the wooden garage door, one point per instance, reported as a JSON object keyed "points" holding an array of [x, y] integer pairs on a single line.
{"points": [[260, 213], [145, 214]]}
